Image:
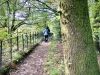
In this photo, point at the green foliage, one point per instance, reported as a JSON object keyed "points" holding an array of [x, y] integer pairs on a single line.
{"points": [[57, 18], [17, 56], [95, 18], [3, 33], [4, 70], [54, 71], [2, 8], [2, 12], [36, 16]]}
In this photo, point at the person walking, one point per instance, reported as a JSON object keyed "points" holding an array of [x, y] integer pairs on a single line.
{"points": [[46, 33]]}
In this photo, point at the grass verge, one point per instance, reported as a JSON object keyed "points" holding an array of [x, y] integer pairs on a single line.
{"points": [[54, 62]]}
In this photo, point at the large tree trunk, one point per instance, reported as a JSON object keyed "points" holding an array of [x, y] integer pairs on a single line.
{"points": [[79, 53]]}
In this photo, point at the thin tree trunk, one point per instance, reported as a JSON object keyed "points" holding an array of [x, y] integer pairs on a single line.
{"points": [[79, 54]]}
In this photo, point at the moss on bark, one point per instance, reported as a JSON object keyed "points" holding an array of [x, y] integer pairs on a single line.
{"points": [[79, 52]]}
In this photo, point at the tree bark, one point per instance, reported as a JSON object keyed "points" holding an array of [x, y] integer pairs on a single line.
{"points": [[79, 53]]}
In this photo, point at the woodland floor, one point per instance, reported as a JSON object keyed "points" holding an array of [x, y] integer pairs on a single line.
{"points": [[33, 63]]}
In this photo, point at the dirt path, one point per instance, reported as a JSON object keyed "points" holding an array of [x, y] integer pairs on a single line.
{"points": [[33, 64]]}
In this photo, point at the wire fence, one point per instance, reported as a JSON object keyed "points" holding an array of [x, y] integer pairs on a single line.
{"points": [[11, 48]]}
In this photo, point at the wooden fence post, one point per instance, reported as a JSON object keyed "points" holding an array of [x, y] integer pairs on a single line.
{"points": [[33, 38], [0, 53], [30, 38], [23, 41], [27, 39], [39, 36], [99, 43], [17, 43], [36, 37], [11, 48]]}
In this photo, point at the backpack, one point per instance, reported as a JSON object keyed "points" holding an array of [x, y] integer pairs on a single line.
{"points": [[46, 32]]}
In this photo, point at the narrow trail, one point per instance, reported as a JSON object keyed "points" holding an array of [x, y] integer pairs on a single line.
{"points": [[33, 64]]}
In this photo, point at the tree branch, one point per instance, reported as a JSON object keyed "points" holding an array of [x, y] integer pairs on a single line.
{"points": [[53, 10], [21, 23]]}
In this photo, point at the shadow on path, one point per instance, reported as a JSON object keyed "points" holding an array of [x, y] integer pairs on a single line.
{"points": [[33, 64]]}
